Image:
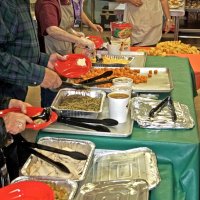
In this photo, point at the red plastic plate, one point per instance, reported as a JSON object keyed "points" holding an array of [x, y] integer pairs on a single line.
{"points": [[27, 190], [98, 41], [70, 68], [32, 111]]}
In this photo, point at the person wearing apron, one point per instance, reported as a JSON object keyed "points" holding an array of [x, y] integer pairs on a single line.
{"points": [[146, 16], [55, 21]]}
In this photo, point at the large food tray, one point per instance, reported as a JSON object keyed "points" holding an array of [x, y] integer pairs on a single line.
{"points": [[121, 130], [138, 163], [77, 113], [82, 146], [69, 185], [126, 189], [161, 82], [130, 59], [139, 58]]}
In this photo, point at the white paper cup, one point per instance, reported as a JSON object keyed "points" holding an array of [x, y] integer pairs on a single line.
{"points": [[122, 89], [114, 49], [118, 106]]}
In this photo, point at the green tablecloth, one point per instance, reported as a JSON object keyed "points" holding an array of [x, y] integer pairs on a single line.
{"points": [[177, 150]]}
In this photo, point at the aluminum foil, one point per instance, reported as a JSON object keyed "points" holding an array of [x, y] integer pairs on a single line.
{"points": [[34, 166], [113, 190], [138, 163], [69, 185], [140, 112], [77, 113]]}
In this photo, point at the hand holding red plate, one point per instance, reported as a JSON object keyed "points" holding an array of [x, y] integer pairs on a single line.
{"points": [[98, 41], [33, 111], [72, 67]]}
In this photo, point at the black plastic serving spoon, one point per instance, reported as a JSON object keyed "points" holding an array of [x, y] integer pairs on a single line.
{"points": [[106, 121], [45, 114], [99, 128], [104, 75]]}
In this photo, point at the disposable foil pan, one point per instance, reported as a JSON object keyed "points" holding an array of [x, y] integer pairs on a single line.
{"points": [[34, 166], [68, 185], [139, 163], [113, 190], [129, 60], [163, 120], [77, 113]]}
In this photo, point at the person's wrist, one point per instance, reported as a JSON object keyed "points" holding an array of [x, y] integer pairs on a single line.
{"points": [[169, 20]]}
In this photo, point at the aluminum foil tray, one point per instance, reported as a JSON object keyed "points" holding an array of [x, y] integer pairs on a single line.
{"points": [[139, 163], [115, 190], [34, 166], [77, 113], [67, 185], [121, 130], [140, 112], [115, 64]]}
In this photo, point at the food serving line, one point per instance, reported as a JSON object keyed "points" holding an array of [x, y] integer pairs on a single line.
{"points": [[177, 150]]}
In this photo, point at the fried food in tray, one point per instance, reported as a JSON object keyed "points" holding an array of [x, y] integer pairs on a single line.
{"points": [[134, 74], [175, 3], [171, 47]]}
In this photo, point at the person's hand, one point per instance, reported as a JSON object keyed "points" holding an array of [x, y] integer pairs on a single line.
{"points": [[168, 25], [136, 3], [51, 79], [80, 34], [53, 58], [97, 28], [87, 43], [16, 122], [19, 104]]}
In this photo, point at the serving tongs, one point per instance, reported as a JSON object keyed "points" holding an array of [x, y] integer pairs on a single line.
{"points": [[106, 121], [99, 128], [166, 102], [104, 75], [73, 154]]}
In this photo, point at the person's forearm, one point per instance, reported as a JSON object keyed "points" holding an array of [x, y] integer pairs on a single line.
{"points": [[17, 71], [122, 1], [165, 7], [85, 19], [59, 34]]}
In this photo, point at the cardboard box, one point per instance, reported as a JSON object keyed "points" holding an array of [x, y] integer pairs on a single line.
{"points": [[125, 43]]}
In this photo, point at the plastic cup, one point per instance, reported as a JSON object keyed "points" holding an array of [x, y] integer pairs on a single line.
{"points": [[123, 81], [118, 106], [114, 49]]}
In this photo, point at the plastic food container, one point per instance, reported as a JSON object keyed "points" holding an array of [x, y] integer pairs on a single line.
{"points": [[121, 29]]}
